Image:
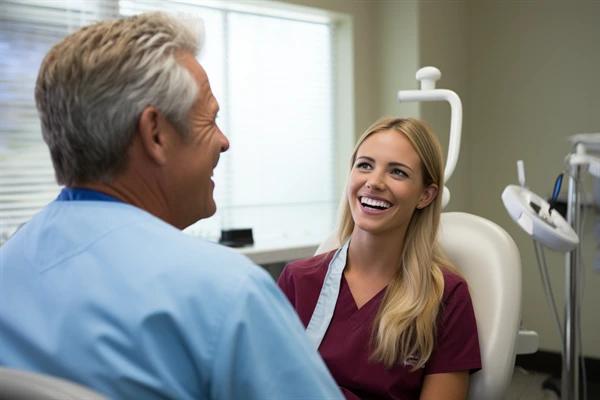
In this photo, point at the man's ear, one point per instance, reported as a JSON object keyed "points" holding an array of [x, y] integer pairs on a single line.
{"points": [[429, 194], [152, 133]]}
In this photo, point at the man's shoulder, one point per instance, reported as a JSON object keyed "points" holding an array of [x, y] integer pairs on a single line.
{"points": [[123, 226], [159, 261], [128, 239], [168, 250]]}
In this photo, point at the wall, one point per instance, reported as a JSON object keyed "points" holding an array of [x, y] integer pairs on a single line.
{"points": [[380, 67], [527, 72], [397, 42], [527, 75], [443, 32], [364, 43], [533, 81], [413, 34]]}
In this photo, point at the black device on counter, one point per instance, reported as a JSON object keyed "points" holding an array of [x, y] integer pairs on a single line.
{"points": [[236, 237]]}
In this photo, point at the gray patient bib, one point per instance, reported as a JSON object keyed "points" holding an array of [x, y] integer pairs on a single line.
{"points": [[321, 317]]}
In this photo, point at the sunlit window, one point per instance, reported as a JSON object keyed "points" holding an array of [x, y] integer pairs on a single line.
{"points": [[272, 74]]}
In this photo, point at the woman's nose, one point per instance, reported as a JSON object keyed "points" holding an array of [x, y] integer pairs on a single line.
{"points": [[375, 182]]}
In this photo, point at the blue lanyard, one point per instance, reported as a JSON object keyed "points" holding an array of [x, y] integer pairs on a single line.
{"points": [[76, 194], [321, 317]]}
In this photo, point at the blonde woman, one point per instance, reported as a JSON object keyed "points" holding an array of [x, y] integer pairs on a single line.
{"points": [[389, 314]]}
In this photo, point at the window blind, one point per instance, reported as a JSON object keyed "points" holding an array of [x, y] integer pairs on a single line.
{"points": [[28, 29], [272, 75]]}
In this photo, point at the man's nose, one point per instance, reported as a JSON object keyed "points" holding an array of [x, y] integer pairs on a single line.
{"points": [[224, 142]]}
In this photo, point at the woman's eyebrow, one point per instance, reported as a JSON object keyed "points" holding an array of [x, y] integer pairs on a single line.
{"points": [[399, 164], [390, 164]]}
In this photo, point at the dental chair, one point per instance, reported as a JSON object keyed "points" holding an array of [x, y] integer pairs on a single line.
{"points": [[23, 385], [489, 260]]}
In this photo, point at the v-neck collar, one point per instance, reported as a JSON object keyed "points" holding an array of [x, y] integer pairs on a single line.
{"points": [[345, 290], [330, 301]]}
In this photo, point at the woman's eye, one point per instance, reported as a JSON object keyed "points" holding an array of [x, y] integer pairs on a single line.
{"points": [[399, 172], [363, 165]]}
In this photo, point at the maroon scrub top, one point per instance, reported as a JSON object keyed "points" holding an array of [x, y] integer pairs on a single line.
{"points": [[346, 346]]}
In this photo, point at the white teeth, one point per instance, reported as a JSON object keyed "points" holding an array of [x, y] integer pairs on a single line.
{"points": [[373, 202]]}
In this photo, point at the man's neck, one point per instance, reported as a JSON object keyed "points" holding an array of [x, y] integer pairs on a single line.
{"points": [[134, 192]]}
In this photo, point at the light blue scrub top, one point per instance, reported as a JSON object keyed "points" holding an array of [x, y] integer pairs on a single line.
{"points": [[103, 293]]}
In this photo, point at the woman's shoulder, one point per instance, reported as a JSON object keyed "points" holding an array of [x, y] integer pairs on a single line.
{"points": [[457, 346], [301, 282], [454, 285], [309, 266]]}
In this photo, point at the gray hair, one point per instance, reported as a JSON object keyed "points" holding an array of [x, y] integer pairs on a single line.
{"points": [[93, 86]]}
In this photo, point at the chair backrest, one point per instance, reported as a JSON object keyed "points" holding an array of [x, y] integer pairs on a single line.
{"points": [[489, 260], [23, 385]]}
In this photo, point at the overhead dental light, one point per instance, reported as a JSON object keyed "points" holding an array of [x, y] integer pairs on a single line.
{"points": [[538, 218]]}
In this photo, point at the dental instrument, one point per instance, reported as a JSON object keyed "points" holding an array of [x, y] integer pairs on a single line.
{"points": [[546, 226]]}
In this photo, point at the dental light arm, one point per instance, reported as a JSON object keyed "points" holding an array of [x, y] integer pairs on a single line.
{"points": [[428, 76]]}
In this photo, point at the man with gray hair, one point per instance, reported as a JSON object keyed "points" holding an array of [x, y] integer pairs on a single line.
{"points": [[101, 287]]}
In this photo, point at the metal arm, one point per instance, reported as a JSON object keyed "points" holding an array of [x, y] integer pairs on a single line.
{"points": [[428, 76]]}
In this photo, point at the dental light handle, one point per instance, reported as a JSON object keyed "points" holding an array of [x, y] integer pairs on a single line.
{"points": [[428, 76]]}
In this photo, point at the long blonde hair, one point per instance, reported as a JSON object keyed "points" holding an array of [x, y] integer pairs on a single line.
{"points": [[404, 329]]}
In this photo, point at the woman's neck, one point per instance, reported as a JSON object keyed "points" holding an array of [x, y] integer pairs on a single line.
{"points": [[375, 255]]}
